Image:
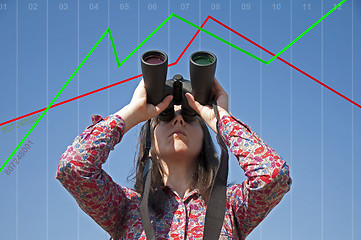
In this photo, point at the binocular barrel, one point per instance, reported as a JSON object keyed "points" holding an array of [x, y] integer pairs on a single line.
{"points": [[202, 67], [154, 68]]}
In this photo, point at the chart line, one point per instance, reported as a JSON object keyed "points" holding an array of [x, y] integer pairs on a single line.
{"points": [[141, 44], [306, 31]]}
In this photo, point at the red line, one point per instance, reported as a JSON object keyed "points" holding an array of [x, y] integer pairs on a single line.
{"points": [[72, 99], [185, 49], [289, 64], [249, 40], [100, 89], [174, 63], [296, 68]]}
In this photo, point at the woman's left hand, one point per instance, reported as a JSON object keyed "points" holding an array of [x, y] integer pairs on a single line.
{"points": [[207, 112]]}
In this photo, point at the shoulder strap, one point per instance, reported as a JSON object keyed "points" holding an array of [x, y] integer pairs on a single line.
{"points": [[216, 207], [147, 179]]}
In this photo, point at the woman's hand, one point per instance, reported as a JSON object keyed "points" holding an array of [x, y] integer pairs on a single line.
{"points": [[207, 112], [138, 110]]}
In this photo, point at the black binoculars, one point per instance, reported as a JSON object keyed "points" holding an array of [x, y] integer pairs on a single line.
{"points": [[202, 66]]}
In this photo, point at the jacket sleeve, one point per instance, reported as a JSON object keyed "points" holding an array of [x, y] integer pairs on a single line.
{"points": [[268, 175], [80, 172]]}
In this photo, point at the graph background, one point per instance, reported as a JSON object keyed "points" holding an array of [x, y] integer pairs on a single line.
{"points": [[314, 130]]}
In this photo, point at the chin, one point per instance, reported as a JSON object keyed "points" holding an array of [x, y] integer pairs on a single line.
{"points": [[179, 149], [180, 145]]}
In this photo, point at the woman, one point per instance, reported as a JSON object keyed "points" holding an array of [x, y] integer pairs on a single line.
{"points": [[185, 162]]}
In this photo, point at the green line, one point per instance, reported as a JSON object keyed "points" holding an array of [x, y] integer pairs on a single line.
{"points": [[145, 40], [54, 99], [221, 39], [113, 45], [307, 30], [136, 49]]}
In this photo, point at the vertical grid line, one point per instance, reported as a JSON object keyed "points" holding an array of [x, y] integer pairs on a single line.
{"points": [[199, 20], [139, 67], [291, 112], [108, 63], [78, 75], [260, 64], [169, 53], [260, 83], [138, 37], [322, 123], [47, 119], [352, 115], [230, 57], [108, 113], [108, 72], [17, 109]]}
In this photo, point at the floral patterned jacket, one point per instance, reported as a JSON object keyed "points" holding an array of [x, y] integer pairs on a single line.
{"points": [[116, 208]]}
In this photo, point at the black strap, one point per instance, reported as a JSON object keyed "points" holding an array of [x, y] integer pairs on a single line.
{"points": [[216, 207], [147, 179]]}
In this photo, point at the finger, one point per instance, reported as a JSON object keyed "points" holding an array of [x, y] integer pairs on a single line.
{"points": [[164, 104], [193, 103], [214, 89], [139, 87], [140, 84], [217, 86]]}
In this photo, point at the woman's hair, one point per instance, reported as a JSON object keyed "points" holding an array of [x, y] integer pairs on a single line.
{"points": [[202, 177]]}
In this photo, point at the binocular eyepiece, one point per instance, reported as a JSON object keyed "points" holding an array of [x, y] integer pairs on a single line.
{"points": [[202, 66]]}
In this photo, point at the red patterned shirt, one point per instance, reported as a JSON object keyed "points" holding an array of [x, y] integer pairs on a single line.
{"points": [[116, 208]]}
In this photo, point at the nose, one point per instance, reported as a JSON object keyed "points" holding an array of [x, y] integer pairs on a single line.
{"points": [[178, 119]]}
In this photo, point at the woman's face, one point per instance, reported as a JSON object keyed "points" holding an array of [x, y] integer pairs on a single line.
{"points": [[178, 137]]}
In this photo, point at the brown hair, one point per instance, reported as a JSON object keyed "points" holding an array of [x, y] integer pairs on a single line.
{"points": [[202, 177]]}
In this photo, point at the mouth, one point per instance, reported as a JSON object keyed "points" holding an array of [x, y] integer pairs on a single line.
{"points": [[178, 132]]}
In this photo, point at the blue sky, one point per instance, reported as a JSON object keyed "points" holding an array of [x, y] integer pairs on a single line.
{"points": [[314, 130]]}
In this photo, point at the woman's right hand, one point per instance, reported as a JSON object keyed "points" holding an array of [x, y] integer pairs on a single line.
{"points": [[138, 110]]}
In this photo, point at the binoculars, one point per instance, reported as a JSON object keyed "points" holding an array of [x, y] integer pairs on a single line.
{"points": [[202, 66]]}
